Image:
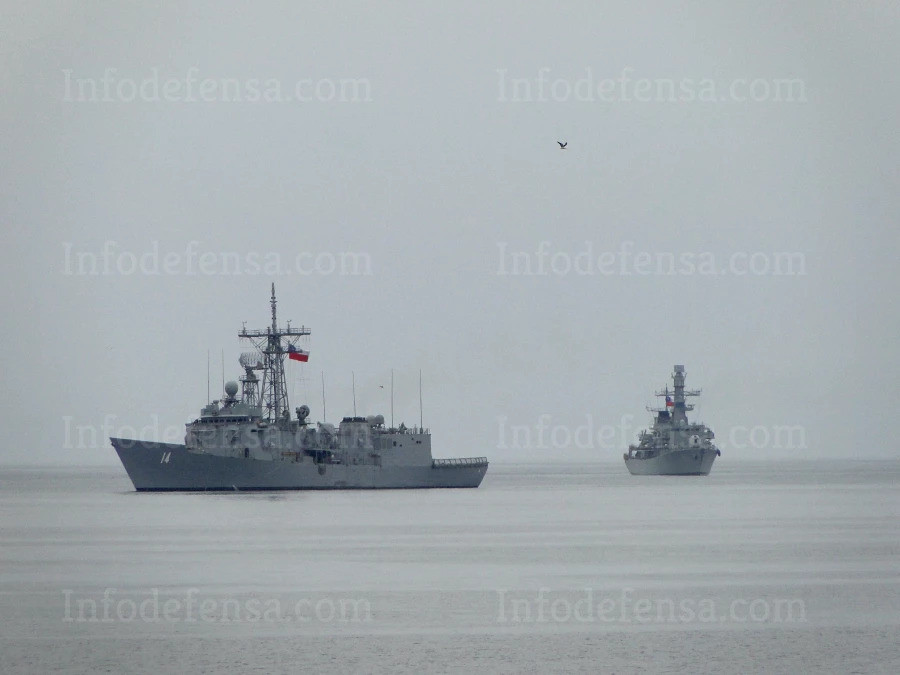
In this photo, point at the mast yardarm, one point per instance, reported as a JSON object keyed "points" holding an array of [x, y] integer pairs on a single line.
{"points": [[273, 344]]}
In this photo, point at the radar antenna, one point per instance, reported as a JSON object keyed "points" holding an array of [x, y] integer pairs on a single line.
{"points": [[677, 403], [273, 344], [250, 361]]}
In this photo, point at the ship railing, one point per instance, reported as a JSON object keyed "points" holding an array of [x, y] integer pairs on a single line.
{"points": [[283, 332], [408, 430], [458, 461]]}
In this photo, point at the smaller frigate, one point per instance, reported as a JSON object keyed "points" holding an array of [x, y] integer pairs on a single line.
{"points": [[673, 446], [249, 440]]}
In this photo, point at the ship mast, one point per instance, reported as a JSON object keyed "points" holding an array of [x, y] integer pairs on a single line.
{"points": [[680, 407], [274, 398]]}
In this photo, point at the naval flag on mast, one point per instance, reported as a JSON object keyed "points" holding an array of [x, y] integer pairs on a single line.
{"points": [[295, 354]]}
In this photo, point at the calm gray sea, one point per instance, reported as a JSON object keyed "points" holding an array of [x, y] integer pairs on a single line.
{"points": [[761, 567]]}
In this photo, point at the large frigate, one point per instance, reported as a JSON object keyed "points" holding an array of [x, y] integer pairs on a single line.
{"points": [[248, 439], [673, 446]]}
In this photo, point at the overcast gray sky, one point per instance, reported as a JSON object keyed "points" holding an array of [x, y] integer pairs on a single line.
{"points": [[730, 184]]}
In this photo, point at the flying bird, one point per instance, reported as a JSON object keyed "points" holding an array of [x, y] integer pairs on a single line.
{"points": [[562, 146]]}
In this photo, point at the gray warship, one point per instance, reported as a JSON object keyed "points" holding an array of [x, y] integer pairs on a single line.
{"points": [[248, 440], [673, 446]]}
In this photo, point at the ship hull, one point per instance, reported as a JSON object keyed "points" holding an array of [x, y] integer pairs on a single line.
{"points": [[168, 467], [679, 463]]}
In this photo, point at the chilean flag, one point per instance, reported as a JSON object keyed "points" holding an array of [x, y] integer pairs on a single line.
{"points": [[669, 402], [295, 354]]}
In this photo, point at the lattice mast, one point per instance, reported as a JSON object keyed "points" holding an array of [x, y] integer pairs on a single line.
{"points": [[273, 344], [679, 405]]}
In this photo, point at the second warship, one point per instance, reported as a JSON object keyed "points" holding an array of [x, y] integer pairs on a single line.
{"points": [[673, 446], [251, 441]]}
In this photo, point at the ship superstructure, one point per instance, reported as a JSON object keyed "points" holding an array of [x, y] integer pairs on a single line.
{"points": [[673, 446], [249, 440]]}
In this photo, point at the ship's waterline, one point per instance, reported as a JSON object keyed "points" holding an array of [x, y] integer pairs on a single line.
{"points": [[167, 467]]}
